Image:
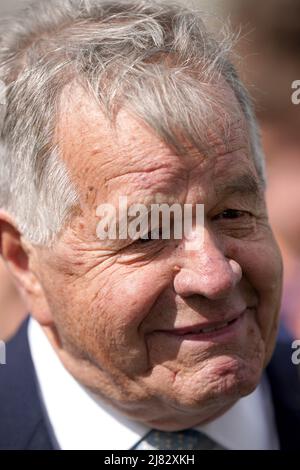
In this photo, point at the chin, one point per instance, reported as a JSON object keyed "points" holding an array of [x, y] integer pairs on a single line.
{"points": [[209, 394], [218, 385]]}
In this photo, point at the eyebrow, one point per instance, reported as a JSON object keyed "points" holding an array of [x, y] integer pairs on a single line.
{"points": [[243, 185]]}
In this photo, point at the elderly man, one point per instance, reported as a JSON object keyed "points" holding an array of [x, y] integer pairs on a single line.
{"points": [[135, 342]]}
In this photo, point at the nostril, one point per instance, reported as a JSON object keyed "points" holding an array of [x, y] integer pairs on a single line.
{"points": [[214, 280], [220, 286]]}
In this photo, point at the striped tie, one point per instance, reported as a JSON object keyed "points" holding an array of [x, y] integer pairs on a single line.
{"points": [[181, 440]]}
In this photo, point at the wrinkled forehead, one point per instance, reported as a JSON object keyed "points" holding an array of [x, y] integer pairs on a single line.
{"points": [[97, 151]]}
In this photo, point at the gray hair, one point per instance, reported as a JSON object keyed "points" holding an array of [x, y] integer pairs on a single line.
{"points": [[155, 58]]}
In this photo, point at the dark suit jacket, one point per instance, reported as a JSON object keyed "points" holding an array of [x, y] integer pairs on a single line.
{"points": [[24, 423]]}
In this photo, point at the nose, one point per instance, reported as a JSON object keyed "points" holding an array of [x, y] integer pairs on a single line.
{"points": [[207, 272]]}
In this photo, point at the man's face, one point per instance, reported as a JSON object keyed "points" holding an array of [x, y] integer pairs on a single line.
{"points": [[129, 315]]}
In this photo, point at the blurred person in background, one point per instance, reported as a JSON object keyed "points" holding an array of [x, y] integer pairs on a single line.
{"points": [[270, 47]]}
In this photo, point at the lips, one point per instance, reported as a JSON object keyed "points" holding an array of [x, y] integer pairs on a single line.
{"points": [[211, 329], [204, 328]]}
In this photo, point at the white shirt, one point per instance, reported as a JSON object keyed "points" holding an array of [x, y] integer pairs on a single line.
{"points": [[82, 421]]}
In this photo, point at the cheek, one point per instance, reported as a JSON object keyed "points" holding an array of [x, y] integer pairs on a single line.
{"points": [[127, 300], [131, 293], [107, 319], [262, 267]]}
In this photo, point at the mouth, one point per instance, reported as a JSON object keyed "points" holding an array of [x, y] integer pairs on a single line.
{"points": [[208, 330]]}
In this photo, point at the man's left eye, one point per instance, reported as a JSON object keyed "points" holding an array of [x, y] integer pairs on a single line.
{"points": [[232, 214]]}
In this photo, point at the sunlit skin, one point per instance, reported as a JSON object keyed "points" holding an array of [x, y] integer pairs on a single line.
{"points": [[116, 315]]}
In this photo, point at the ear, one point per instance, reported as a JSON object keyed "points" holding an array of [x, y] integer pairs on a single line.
{"points": [[20, 258]]}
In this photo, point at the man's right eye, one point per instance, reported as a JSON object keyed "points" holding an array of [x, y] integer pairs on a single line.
{"points": [[151, 236]]}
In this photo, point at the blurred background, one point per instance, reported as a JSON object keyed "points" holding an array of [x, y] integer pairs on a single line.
{"points": [[268, 59]]}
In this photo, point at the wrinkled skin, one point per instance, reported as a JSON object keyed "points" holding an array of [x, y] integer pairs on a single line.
{"points": [[104, 307]]}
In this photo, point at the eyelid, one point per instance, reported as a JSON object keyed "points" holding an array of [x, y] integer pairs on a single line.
{"points": [[243, 212], [149, 239]]}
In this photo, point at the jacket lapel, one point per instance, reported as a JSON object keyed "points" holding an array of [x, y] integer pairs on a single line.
{"points": [[22, 421]]}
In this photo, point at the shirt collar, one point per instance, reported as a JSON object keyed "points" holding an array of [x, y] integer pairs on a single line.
{"points": [[248, 425], [82, 421]]}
